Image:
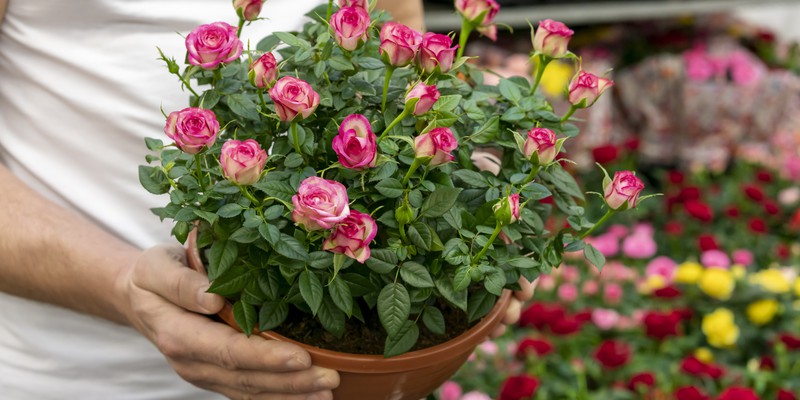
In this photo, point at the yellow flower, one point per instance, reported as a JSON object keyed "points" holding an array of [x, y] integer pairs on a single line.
{"points": [[653, 282], [763, 311], [738, 271], [717, 283], [556, 77], [704, 354], [720, 329], [797, 287], [772, 280], [688, 272]]}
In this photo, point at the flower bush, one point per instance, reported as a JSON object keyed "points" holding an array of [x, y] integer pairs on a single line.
{"points": [[338, 187]]}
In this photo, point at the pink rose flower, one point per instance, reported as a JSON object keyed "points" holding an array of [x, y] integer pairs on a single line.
{"points": [[436, 53], [450, 390], [293, 97], [569, 273], [618, 230], [489, 348], [607, 243], [745, 69], [506, 210], [352, 236], [546, 283], [662, 266], [264, 71], [639, 246], [480, 13], [249, 9], [612, 293], [542, 143], [242, 162], [715, 259], [567, 292], [350, 27], [192, 128], [622, 193], [589, 288], [436, 144], [212, 44], [743, 256], [356, 144], [605, 318], [353, 3], [586, 88], [320, 204], [399, 44], [552, 38], [475, 395], [426, 97]]}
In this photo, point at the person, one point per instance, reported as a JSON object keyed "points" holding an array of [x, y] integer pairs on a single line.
{"points": [[93, 304]]}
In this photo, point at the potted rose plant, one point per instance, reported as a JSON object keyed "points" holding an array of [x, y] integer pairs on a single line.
{"points": [[333, 196]]}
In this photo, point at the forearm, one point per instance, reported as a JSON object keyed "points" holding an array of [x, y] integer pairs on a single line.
{"points": [[408, 12], [52, 255]]}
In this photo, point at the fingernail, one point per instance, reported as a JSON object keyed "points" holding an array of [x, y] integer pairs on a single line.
{"points": [[323, 382], [203, 300], [298, 362]]}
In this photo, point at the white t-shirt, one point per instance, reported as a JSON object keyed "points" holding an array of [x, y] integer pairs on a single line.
{"points": [[80, 87]]}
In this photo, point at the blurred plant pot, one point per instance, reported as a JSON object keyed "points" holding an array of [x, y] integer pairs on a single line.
{"points": [[411, 376]]}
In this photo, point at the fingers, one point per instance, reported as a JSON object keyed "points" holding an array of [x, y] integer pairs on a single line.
{"points": [[512, 312], [526, 289], [162, 270], [312, 380]]}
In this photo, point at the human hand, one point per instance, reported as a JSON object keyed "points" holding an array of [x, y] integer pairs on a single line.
{"points": [[164, 299], [514, 309]]}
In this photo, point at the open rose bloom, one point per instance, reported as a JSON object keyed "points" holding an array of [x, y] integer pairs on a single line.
{"points": [[192, 128], [212, 44], [293, 98], [623, 191]]}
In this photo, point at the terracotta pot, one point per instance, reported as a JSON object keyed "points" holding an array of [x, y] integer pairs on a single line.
{"points": [[411, 376]]}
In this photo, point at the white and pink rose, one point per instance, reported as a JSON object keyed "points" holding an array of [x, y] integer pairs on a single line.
{"points": [[192, 129], [242, 162], [320, 204], [436, 145], [294, 98], [350, 27], [212, 44], [355, 145], [352, 236]]}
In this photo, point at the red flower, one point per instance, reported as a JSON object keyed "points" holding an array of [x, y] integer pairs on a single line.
{"points": [[673, 228], [566, 326], [547, 200], [707, 242], [791, 342], [690, 393], [518, 387], [584, 315], [675, 177], [540, 315], [767, 363], [642, 382], [794, 222], [738, 393], [612, 354], [764, 176], [784, 394], [693, 366], [732, 211], [753, 192], [757, 225], [771, 208], [605, 154], [661, 326], [699, 210], [631, 144], [540, 347], [667, 292], [689, 193]]}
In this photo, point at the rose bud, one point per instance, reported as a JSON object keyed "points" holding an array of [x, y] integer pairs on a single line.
{"points": [[426, 96], [248, 9], [435, 53], [352, 236], [293, 97], [480, 13], [541, 143], [353, 3], [586, 88], [506, 211], [623, 192], [211, 44], [192, 128], [320, 204], [350, 27], [551, 38], [264, 71], [242, 162], [356, 144], [436, 145], [399, 44]]}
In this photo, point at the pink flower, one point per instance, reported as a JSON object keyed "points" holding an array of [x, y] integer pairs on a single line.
{"points": [[242, 162], [450, 391], [552, 38], [698, 65], [350, 27], [475, 395], [436, 144], [353, 3], [436, 53], [211, 44], [320, 204], [589, 288], [546, 283], [745, 69], [293, 97], [569, 273], [506, 211], [399, 44], [352, 236], [643, 228], [612, 293], [249, 9], [604, 318], [426, 96], [489, 347], [567, 292], [586, 88], [607, 243], [356, 144], [264, 71], [715, 259], [622, 193], [480, 13], [662, 266], [639, 246], [541, 142], [192, 128], [617, 230], [743, 257]]}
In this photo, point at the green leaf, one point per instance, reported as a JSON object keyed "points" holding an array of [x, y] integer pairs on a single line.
{"points": [[320, 259], [510, 90], [535, 191], [292, 40], [270, 233], [153, 144], [462, 278], [416, 275], [230, 210], [153, 179], [513, 114], [390, 187], [272, 315], [221, 256], [225, 187], [274, 212], [232, 282], [433, 320], [245, 235], [453, 218], [290, 247], [420, 236], [243, 106], [384, 170], [277, 189], [181, 231], [472, 178], [209, 99], [340, 63], [245, 316], [341, 296], [332, 318], [479, 305], [523, 262], [268, 282], [445, 287], [487, 132], [594, 256], [403, 341], [369, 63], [439, 202], [394, 307], [311, 290], [495, 281], [382, 261], [359, 285], [293, 160], [447, 103]]}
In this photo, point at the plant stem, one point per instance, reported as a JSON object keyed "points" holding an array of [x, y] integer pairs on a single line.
{"points": [[187, 85], [569, 113], [241, 25], [295, 140], [531, 176], [414, 165], [199, 171], [263, 102], [403, 233], [330, 10], [393, 123], [543, 61], [602, 220], [485, 248], [389, 72], [466, 28], [249, 196]]}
